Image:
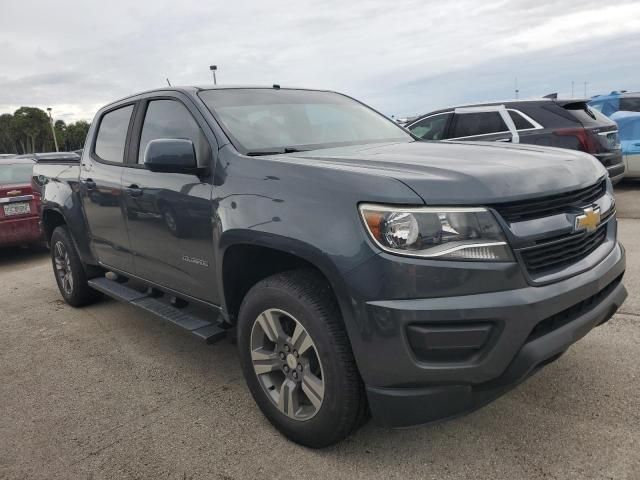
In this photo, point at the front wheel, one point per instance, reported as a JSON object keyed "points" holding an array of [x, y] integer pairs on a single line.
{"points": [[297, 359], [69, 270]]}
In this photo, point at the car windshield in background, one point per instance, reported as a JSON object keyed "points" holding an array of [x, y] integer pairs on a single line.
{"points": [[15, 173], [280, 121]]}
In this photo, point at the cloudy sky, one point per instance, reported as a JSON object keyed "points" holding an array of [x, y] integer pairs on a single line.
{"points": [[402, 57]]}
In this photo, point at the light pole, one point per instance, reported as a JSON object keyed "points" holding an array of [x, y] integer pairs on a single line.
{"points": [[213, 69], [53, 130]]}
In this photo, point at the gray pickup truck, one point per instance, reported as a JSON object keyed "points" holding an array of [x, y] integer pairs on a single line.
{"points": [[361, 272]]}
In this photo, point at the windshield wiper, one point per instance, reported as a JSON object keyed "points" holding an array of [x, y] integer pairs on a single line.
{"points": [[257, 153]]}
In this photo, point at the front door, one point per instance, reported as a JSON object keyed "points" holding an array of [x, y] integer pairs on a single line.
{"points": [[101, 190], [169, 215]]}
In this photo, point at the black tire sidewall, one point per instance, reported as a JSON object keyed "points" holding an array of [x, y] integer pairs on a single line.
{"points": [[322, 428], [81, 294]]}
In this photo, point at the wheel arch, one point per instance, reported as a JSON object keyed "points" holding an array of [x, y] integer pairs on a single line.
{"points": [[244, 263]]}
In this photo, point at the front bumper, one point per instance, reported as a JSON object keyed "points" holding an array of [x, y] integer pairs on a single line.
{"points": [[531, 326]]}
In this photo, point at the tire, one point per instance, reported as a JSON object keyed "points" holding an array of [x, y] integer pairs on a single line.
{"points": [[294, 300], [70, 273]]}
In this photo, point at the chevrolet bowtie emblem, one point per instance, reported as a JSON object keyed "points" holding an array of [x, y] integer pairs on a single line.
{"points": [[13, 193], [589, 220]]}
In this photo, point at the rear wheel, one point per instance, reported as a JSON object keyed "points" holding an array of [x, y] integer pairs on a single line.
{"points": [[297, 359], [70, 272]]}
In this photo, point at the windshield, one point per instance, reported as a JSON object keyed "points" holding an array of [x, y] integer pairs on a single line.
{"points": [[15, 173], [274, 120]]}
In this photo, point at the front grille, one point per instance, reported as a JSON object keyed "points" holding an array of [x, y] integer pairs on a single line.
{"points": [[565, 251], [568, 315], [550, 205]]}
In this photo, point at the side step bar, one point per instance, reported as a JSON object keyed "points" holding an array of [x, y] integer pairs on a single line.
{"points": [[210, 332]]}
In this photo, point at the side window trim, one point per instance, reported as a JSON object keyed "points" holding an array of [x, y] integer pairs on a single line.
{"points": [[447, 127], [425, 117], [138, 124], [536, 126], [92, 152]]}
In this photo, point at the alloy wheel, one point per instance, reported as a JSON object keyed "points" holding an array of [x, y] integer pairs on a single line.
{"points": [[286, 362], [63, 267]]}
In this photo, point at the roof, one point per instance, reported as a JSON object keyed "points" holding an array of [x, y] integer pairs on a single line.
{"points": [[616, 94], [193, 89], [559, 101], [13, 160]]}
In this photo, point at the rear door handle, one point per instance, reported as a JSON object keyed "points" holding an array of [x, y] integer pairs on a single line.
{"points": [[134, 191], [90, 184]]}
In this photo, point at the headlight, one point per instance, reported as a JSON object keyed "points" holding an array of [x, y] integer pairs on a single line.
{"points": [[437, 232]]}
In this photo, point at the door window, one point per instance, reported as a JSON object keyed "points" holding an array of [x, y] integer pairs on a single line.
{"points": [[171, 119], [431, 128], [519, 121], [112, 134], [483, 123]]}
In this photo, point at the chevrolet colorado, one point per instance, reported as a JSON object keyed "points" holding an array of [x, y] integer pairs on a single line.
{"points": [[360, 271]]}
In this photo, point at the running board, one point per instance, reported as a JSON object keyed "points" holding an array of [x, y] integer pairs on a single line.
{"points": [[210, 332]]}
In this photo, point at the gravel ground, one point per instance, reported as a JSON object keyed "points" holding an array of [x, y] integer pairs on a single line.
{"points": [[110, 392]]}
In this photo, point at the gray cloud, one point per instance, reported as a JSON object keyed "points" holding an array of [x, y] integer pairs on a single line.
{"points": [[403, 57]]}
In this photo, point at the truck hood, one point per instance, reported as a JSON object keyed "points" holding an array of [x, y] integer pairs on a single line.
{"points": [[466, 172]]}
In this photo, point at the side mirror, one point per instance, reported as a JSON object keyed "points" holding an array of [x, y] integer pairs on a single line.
{"points": [[170, 155]]}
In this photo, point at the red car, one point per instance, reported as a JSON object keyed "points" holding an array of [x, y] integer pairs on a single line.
{"points": [[19, 207]]}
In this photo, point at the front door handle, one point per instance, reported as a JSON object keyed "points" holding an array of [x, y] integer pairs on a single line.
{"points": [[134, 191], [90, 184]]}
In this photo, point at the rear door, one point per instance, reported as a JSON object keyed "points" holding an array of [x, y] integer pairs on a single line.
{"points": [[101, 188], [169, 215]]}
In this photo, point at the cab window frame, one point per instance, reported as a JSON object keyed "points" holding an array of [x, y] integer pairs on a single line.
{"points": [[138, 125], [125, 156]]}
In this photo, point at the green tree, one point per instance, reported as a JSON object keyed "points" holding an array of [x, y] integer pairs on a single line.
{"points": [[33, 129], [75, 135], [7, 134], [61, 130]]}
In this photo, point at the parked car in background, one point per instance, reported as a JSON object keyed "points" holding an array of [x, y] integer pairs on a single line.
{"points": [[19, 207], [548, 122], [616, 101], [629, 125]]}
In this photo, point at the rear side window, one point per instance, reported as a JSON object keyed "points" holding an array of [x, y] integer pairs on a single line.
{"points": [[112, 134], [520, 122], [15, 173], [485, 123], [171, 119], [431, 128]]}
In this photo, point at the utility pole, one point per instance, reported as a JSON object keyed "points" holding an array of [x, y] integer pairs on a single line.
{"points": [[53, 130], [517, 91], [213, 69]]}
